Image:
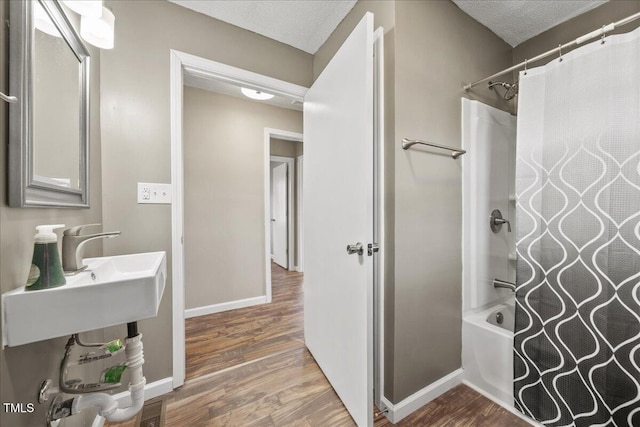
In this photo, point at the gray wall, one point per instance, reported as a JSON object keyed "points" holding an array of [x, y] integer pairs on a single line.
{"points": [[438, 47], [224, 235], [23, 368], [283, 148], [136, 130], [431, 48]]}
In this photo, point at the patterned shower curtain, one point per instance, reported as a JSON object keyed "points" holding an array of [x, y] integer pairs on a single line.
{"points": [[577, 333]]}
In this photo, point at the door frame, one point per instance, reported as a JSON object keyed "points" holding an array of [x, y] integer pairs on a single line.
{"points": [[292, 212], [182, 63], [300, 235]]}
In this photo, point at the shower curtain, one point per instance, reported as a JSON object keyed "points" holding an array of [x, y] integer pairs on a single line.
{"points": [[577, 333]]}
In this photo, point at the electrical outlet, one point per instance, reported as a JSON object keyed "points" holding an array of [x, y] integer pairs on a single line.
{"points": [[154, 193]]}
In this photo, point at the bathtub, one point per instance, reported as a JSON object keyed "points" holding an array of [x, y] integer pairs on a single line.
{"points": [[487, 351]]}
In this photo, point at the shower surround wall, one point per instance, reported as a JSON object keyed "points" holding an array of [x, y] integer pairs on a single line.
{"points": [[489, 136]]}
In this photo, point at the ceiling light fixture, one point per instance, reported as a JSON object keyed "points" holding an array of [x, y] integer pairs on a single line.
{"points": [[256, 94], [99, 31], [90, 8], [43, 22]]}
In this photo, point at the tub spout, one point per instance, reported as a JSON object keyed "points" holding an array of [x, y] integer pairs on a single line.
{"points": [[497, 283]]}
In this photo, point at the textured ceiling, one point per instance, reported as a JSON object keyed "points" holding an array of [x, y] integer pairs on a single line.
{"points": [[224, 88], [516, 21], [303, 24]]}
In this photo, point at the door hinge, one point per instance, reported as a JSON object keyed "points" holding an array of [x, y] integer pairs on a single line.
{"points": [[372, 248]]}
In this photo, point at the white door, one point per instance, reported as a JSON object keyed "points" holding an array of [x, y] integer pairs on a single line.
{"points": [[279, 215], [338, 210]]}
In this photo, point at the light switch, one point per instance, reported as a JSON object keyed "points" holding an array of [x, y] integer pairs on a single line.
{"points": [[154, 193]]}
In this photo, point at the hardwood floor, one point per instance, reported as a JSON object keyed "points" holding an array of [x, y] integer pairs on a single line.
{"points": [[249, 367], [289, 389], [459, 407], [221, 340]]}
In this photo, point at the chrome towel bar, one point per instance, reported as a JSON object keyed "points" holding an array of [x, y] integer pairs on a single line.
{"points": [[9, 99], [455, 152]]}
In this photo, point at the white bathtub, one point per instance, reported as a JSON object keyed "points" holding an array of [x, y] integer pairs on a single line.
{"points": [[487, 351]]}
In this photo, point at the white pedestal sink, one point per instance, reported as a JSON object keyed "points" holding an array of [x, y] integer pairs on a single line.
{"points": [[111, 291]]}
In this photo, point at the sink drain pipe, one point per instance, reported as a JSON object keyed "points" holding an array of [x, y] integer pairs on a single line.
{"points": [[107, 406]]}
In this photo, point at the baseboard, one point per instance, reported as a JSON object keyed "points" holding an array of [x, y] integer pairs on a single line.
{"points": [[225, 306], [151, 391], [420, 398], [505, 405]]}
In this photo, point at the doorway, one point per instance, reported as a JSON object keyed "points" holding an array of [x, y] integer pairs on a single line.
{"points": [[232, 307], [285, 220], [184, 66], [344, 113]]}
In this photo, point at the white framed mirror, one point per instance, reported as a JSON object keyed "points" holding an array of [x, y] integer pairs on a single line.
{"points": [[49, 125]]}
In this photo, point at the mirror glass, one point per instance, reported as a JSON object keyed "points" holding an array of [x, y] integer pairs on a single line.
{"points": [[49, 72], [56, 106]]}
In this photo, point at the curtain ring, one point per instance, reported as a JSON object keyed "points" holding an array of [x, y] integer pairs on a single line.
{"points": [[560, 51], [603, 35]]}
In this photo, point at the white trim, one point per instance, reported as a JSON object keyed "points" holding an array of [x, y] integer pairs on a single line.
{"points": [[151, 391], [180, 63], [379, 205], [177, 221], [420, 398], [299, 229], [505, 405], [224, 306]]}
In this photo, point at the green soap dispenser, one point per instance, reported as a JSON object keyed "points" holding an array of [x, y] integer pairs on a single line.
{"points": [[46, 269]]}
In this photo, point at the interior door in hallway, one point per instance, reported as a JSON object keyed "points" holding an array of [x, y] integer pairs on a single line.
{"points": [[339, 210], [279, 215]]}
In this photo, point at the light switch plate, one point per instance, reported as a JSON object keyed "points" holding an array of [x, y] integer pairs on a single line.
{"points": [[154, 193]]}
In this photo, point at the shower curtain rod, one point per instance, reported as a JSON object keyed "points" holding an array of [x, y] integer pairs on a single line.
{"points": [[593, 34]]}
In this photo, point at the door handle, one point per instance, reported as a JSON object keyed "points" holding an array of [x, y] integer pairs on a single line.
{"points": [[355, 249]]}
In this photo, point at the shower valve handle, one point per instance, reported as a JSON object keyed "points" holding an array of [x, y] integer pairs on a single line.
{"points": [[500, 221], [496, 221]]}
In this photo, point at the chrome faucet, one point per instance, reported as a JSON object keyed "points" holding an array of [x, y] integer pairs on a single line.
{"points": [[73, 246]]}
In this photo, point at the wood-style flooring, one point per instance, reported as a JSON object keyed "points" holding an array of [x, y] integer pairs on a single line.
{"points": [[221, 340], [289, 389], [277, 382]]}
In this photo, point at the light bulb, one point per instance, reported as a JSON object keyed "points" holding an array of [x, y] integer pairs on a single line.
{"points": [[256, 94], [99, 31], [90, 8], [43, 22]]}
